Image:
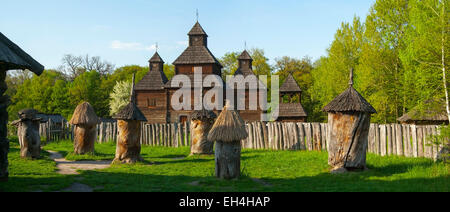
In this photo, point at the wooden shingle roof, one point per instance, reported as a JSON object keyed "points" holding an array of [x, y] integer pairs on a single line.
{"points": [[13, 57], [154, 79], [197, 30], [156, 58], [349, 101], [290, 85], [291, 110], [245, 56], [196, 55]]}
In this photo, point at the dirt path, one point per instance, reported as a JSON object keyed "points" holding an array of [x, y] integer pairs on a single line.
{"points": [[69, 167]]}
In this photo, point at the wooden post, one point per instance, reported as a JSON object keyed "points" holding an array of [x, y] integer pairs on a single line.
{"points": [[414, 140], [377, 139], [389, 139], [301, 134], [383, 140], [408, 141], [317, 145], [228, 160], [420, 152], [265, 135], [435, 147], [308, 134], [398, 139]]}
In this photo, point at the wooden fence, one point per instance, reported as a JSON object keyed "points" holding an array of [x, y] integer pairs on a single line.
{"points": [[383, 139], [52, 131]]}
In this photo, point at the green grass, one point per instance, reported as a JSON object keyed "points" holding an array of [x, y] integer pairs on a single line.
{"points": [[277, 171]]}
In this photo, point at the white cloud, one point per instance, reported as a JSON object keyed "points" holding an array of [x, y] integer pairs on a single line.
{"points": [[183, 43], [116, 44]]}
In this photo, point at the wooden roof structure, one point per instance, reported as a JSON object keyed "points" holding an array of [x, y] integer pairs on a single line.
{"points": [[197, 54], [156, 58], [131, 111], [291, 110], [13, 57], [247, 70], [290, 85], [155, 79], [349, 101], [434, 113], [197, 29]]}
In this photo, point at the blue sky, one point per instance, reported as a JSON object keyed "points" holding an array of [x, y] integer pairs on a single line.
{"points": [[125, 32]]}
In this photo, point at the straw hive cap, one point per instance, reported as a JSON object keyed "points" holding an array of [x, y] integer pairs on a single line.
{"points": [[229, 126], [84, 114]]}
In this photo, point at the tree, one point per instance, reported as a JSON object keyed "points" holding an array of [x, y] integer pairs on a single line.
{"points": [[230, 63], [427, 51], [119, 97], [73, 66], [380, 67], [330, 72]]}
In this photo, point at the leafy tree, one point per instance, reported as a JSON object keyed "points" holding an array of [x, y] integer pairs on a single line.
{"points": [[427, 52], [120, 96], [330, 74]]}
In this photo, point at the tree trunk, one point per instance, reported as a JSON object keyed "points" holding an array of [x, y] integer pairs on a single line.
{"points": [[4, 143], [228, 159], [200, 143], [444, 77], [348, 140], [29, 139], [128, 148], [84, 140]]}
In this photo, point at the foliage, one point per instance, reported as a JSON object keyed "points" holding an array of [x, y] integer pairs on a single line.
{"points": [[442, 139], [120, 96]]}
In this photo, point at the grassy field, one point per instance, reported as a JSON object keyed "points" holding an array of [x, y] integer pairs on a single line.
{"points": [[262, 170]]}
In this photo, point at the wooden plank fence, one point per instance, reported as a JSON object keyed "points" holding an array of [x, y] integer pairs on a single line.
{"points": [[384, 139]]}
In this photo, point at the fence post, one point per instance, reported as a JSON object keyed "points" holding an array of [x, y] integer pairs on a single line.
{"points": [[301, 134], [383, 140]]}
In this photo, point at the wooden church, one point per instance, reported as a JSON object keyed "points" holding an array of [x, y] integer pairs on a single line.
{"points": [[154, 92]]}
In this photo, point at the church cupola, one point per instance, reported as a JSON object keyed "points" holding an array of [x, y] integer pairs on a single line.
{"points": [[156, 63], [245, 61], [197, 36]]}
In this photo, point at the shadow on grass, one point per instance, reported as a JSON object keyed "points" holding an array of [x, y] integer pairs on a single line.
{"points": [[134, 182]]}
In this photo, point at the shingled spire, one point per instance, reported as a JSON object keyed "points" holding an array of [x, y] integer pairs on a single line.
{"points": [[245, 64], [197, 36], [155, 78], [197, 52]]}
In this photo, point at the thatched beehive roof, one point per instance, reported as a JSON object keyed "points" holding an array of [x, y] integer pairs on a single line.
{"points": [[349, 101], [203, 114], [13, 57], [84, 114], [229, 127], [131, 111]]}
